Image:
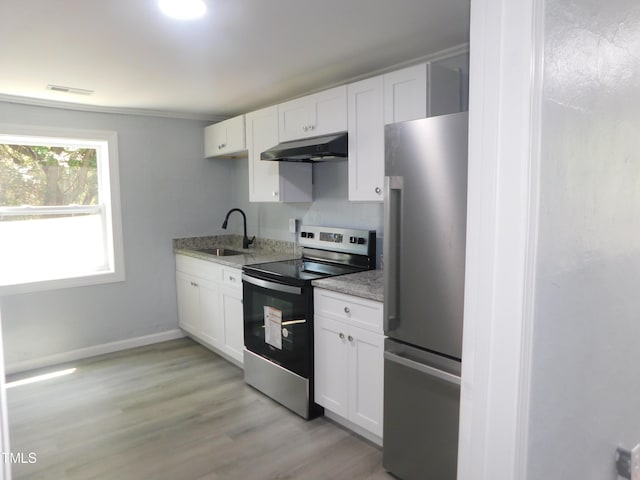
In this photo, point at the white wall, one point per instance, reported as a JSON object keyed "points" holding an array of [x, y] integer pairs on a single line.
{"points": [[585, 389], [167, 190]]}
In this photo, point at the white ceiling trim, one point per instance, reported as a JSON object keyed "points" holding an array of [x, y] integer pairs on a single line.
{"points": [[441, 55], [41, 102]]}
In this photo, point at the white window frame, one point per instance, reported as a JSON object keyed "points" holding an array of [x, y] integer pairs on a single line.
{"points": [[109, 188]]}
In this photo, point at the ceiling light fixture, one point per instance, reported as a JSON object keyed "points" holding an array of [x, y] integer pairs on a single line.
{"points": [[183, 9]]}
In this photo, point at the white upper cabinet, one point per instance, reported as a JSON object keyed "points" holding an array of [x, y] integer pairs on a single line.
{"points": [[405, 94], [225, 138], [365, 101], [273, 181], [318, 114], [415, 92], [420, 91]]}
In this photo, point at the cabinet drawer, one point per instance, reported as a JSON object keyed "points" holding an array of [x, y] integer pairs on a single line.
{"points": [[358, 311], [232, 277], [199, 268]]}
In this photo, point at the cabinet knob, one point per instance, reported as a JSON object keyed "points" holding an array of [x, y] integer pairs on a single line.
{"points": [[341, 335], [305, 128], [378, 190], [347, 310], [350, 338], [275, 194], [233, 279], [221, 146]]}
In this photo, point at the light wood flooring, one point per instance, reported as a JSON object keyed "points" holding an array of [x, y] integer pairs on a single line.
{"points": [[173, 411]]}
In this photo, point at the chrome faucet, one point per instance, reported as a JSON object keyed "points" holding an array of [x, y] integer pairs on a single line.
{"points": [[245, 240]]}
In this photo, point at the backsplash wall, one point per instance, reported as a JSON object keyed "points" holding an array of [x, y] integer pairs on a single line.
{"points": [[330, 207]]}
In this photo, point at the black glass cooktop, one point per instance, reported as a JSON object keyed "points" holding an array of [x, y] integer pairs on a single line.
{"points": [[299, 269]]}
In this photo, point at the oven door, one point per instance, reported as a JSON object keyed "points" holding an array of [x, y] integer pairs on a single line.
{"points": [[277, 322]]}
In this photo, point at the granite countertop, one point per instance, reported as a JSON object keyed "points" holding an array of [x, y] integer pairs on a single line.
{"points": [[261, 251], [367, 284]]}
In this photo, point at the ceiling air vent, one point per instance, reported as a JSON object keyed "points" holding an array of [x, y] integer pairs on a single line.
{"points": [[63, 89]]}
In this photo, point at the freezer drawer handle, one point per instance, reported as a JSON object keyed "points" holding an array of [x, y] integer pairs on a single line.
{"points": [[447, 377]]}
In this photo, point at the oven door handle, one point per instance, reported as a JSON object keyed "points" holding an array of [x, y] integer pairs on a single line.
{"points": [[271, 285]]}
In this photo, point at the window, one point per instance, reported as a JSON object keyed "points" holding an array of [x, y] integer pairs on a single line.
{"points": [[59, 209]]}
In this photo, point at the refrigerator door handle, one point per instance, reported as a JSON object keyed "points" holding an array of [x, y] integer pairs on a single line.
{"points": [[421, 367], [391, 250]]}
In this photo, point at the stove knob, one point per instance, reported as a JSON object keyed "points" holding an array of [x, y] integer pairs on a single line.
{"points": [[310, 234], [361, 241], [303, 234], [353, 240]]}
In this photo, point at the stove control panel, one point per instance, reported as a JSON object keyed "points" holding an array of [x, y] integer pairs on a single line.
{"points": [[338, 239]]}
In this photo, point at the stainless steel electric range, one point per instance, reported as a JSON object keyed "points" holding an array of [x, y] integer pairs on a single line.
{"points": [[278, 312]]}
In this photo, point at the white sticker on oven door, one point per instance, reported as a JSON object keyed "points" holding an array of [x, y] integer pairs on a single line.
{"points": [[273, 327]]}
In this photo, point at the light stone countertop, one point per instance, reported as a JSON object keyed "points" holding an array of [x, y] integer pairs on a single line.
{"points": [[367, 284], [261, 251]]}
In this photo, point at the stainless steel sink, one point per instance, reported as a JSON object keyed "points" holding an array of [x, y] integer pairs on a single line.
{"points": [[219, 252]]}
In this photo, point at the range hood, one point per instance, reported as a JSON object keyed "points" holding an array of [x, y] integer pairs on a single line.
{"points": [[316, 149]]}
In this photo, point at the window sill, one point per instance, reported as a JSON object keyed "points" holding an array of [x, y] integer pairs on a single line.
{"points": [[56, 284]]}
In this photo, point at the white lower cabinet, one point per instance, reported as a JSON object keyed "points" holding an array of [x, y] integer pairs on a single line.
{"points": [[210, 305], [349, 358]]}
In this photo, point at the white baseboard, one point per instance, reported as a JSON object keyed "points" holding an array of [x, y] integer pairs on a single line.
{"points": [[93, 351], [372, 437]]}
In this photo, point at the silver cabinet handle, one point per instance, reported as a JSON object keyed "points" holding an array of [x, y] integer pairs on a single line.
{"points": [[341, 335], [350, 338], [346, 310], [378, 190]]}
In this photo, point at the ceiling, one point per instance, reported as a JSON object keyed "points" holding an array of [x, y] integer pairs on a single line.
{"points": [[244, 54]]}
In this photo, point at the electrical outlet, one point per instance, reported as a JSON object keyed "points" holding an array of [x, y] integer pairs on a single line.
{"points": [[628, 463], [623, 463], [293, 225]]}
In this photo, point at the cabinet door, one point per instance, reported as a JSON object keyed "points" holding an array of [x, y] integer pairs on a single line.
{"points": [[262, 134], [329, 112], [236, 139], [366, 372], [214, 137], [318, 114], [232, 314], [330, 360], [405, 94], [365, 101], [295, 117], [273, 181], [211, 324], [188, 303], [225, 137]]}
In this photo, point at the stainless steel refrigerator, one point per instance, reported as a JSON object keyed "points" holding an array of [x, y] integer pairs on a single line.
{"points": [[424, 257]]}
